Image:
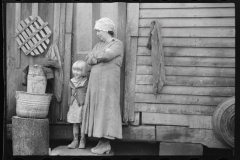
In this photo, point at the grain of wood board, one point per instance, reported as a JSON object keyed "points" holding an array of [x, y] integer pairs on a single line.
{"points": [[130, 133], [175, 109], [13, 18], [46, 12], [26, 11], [69, 17], [192, 32], [191, 121], [186, 5], [192, 42], [189, 81], [130, 72], [62, 25], [132, 18], [191, 52], [188, 90], [189, 22], [80, 57], [188, 135], [189, 71], [190, 61], [179, 99], [187, 12], [186, 149], [82, 28], [130, 63], [66, 71], [138, 133], [56, 22], [136, 121]]}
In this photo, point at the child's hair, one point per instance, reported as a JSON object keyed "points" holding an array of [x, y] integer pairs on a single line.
{"points": [[80, 65]]}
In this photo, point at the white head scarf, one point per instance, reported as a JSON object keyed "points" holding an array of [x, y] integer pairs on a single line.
{"points": [[105, 24]]}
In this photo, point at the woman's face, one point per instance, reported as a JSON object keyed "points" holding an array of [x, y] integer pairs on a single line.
{"points": [[101, 35]]}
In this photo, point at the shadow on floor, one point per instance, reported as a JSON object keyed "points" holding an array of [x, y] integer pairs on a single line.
{"points": [[133, 148], [120, 148]]}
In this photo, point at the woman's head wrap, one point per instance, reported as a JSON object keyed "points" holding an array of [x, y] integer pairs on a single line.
{"points": [[105, 24]]}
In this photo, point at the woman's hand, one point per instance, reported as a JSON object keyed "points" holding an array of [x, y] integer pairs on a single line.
{"points": [[94, 60], [91, 60]]}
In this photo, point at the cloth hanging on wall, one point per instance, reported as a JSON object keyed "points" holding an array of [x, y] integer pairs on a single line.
{"points": [[53, 54], [49, 68], [52, 67], [157, 56]]}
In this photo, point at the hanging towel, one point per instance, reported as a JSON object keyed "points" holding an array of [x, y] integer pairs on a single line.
{"points": [[157, 56], [54, 55]]}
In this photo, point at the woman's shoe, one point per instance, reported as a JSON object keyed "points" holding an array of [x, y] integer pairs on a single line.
{"points": [[98, 145], [73, 145], [82, 143], [105, 148]]}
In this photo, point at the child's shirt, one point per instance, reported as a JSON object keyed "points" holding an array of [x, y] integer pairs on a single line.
{"points": [[78, 90]]}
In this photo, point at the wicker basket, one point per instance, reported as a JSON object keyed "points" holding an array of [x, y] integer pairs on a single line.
{"points": [[32, 105]]}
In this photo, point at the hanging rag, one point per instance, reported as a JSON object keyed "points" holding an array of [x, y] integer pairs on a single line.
{"points": [[53, 54], [157, 56], [52, 68], [48, 67]]}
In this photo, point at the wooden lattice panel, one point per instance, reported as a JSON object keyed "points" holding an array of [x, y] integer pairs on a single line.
{"points": [[32, 35]]}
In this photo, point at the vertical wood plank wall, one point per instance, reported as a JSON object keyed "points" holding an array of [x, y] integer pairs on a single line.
{"points": [[72, 31], [199, 49], [52, 13], [84, 36], [16, 59]]}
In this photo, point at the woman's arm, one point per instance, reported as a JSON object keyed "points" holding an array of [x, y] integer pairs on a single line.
{"points": [[90, 59], [110, 53]]}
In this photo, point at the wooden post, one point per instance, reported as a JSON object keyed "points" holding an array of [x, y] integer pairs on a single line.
{"points": [[30, 136], [67, 60], [131, 58], [17, 52]]}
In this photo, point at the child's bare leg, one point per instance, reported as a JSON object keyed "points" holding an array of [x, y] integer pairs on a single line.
{"points": [[74, 143], [82, 141]]}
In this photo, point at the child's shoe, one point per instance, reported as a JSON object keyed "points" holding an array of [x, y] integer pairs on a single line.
{"points": [[82, 142], [74, 144]]}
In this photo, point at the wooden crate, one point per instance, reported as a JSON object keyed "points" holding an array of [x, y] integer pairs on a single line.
{"points": [[32, 35]]}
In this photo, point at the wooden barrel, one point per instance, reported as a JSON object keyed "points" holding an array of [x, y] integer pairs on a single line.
{"points": [[223, 121], [30, 136], [37, 81]]}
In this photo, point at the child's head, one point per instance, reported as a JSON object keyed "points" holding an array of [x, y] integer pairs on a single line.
{"points": [[79, 69]]}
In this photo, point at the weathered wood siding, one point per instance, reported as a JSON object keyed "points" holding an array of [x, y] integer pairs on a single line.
{"points": [[199, 49], [59, 17], [16, 59], [72, 30]]}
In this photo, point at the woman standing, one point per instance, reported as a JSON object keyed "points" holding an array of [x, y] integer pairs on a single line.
{"points": [[102, 115]]}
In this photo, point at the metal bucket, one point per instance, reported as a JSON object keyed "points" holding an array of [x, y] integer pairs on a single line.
{"points": [[37, 81], [32, 105]]}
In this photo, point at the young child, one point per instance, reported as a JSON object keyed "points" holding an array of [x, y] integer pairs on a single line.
{"points": [[77, 93]]}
